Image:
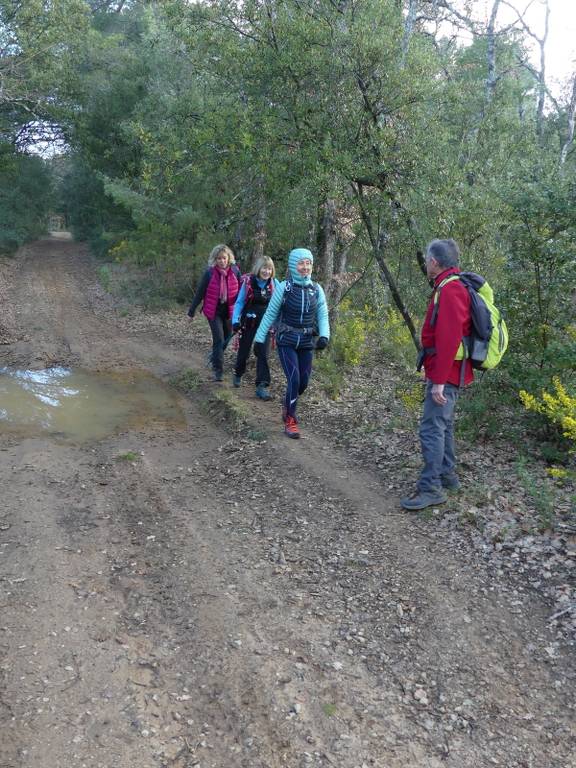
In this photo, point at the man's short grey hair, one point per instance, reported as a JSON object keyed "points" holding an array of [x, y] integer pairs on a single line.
{"points": [[445, 252]]}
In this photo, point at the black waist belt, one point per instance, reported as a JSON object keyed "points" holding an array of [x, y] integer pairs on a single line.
{"points": [[283, 328]]}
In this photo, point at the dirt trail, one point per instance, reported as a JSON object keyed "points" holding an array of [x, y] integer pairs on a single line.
{"points": [[228, 603]]}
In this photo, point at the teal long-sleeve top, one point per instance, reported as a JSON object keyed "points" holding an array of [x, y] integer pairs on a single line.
{"points": [[273, 311]]}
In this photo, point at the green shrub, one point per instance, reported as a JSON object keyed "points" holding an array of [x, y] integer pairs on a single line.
{"points": [[395, 341], [330, 375], [486, 411], [187, 380], [349, 347], [540, 492], [349, 341], [104, 276], [128, 456], [25, 198]]}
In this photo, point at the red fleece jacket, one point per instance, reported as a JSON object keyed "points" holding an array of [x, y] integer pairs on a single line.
{"points": [[453, 321]]}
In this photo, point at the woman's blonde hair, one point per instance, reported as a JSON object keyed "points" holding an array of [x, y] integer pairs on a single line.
{"points": [[263, 261], [217, 250]]}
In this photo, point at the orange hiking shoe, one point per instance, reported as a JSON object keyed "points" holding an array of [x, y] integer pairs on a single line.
{"points": [[291, 427]]}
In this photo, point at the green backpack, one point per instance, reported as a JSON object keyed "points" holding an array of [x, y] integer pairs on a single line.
{"points": [[488, 338]]}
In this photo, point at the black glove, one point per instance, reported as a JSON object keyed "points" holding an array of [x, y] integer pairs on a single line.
{"points": [[258, 348], [321, 342], [235, 327]]}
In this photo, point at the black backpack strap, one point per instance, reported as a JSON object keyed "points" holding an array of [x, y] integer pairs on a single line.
{"points": [[464, 358], [435, 309], [287, 288]]}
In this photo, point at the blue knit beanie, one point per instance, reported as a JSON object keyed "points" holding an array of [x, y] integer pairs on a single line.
{"points": [[296, 255]]}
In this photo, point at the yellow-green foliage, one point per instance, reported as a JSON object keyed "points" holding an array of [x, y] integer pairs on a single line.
{"points": [[120, 251], [331, 376], [348, 346], [558, 473], [558, 407], [349, 340], [411, 396], [395, 338], [155, 245]]}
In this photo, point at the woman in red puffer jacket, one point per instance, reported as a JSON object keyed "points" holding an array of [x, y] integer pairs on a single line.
{"points": [[217, 292]]}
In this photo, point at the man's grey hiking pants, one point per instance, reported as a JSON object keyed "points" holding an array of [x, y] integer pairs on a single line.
{"points": [[437, 439]]}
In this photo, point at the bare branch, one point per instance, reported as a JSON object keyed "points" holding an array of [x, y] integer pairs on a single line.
{"points": [[491, 78], [536, 75], [521, 20], [468, 23], [541, 74]]}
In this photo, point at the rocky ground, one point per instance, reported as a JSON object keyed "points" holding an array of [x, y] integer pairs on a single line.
{"points": [[215, 595]]}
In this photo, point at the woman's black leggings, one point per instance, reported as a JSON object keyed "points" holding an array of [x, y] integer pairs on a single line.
{"points": [[221, 328], [262, 367]]}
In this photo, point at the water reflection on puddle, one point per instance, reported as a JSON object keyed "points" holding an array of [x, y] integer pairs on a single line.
{"points": [[78, 406]]}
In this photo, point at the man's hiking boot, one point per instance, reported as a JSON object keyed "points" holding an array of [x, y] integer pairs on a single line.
{"points": [[450, 482], [236, 381], [262, 392], [423, 499], [218, 376], [291, 427]]}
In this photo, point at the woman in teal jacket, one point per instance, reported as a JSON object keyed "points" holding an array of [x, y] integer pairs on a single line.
{"points": [[298, 310]]}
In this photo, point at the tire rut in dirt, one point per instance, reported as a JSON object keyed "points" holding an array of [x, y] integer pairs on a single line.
{"points": [[182, 587], [59, 308]]}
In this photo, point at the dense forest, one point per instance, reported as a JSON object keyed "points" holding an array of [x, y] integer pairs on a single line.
{"points": [[358, 128]]}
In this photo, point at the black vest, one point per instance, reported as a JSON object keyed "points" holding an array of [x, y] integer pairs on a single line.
{"points": [[297, 320]]}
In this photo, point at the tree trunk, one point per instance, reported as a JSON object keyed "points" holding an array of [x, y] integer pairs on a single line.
{"points": [[542, 78], [408, 29], [388, 280], [491, 78], [571, 124], [379, 242], [237, 243], [260, 232], [337, 284], [325, 242], [331, 254]]}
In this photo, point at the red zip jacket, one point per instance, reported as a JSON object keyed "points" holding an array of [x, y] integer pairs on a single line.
{"points": [[453, 321]]}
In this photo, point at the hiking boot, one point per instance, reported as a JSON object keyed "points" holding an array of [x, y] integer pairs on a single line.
{"points": [[291, 427], [262, 392], [450, 482], [218, 376], [236, 381], [423, 499]]}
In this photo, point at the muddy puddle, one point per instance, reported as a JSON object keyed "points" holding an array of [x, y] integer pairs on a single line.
{"points": [[79, 406]]}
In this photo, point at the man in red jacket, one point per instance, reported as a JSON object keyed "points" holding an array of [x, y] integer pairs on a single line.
{"points": [[447, 322]]}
